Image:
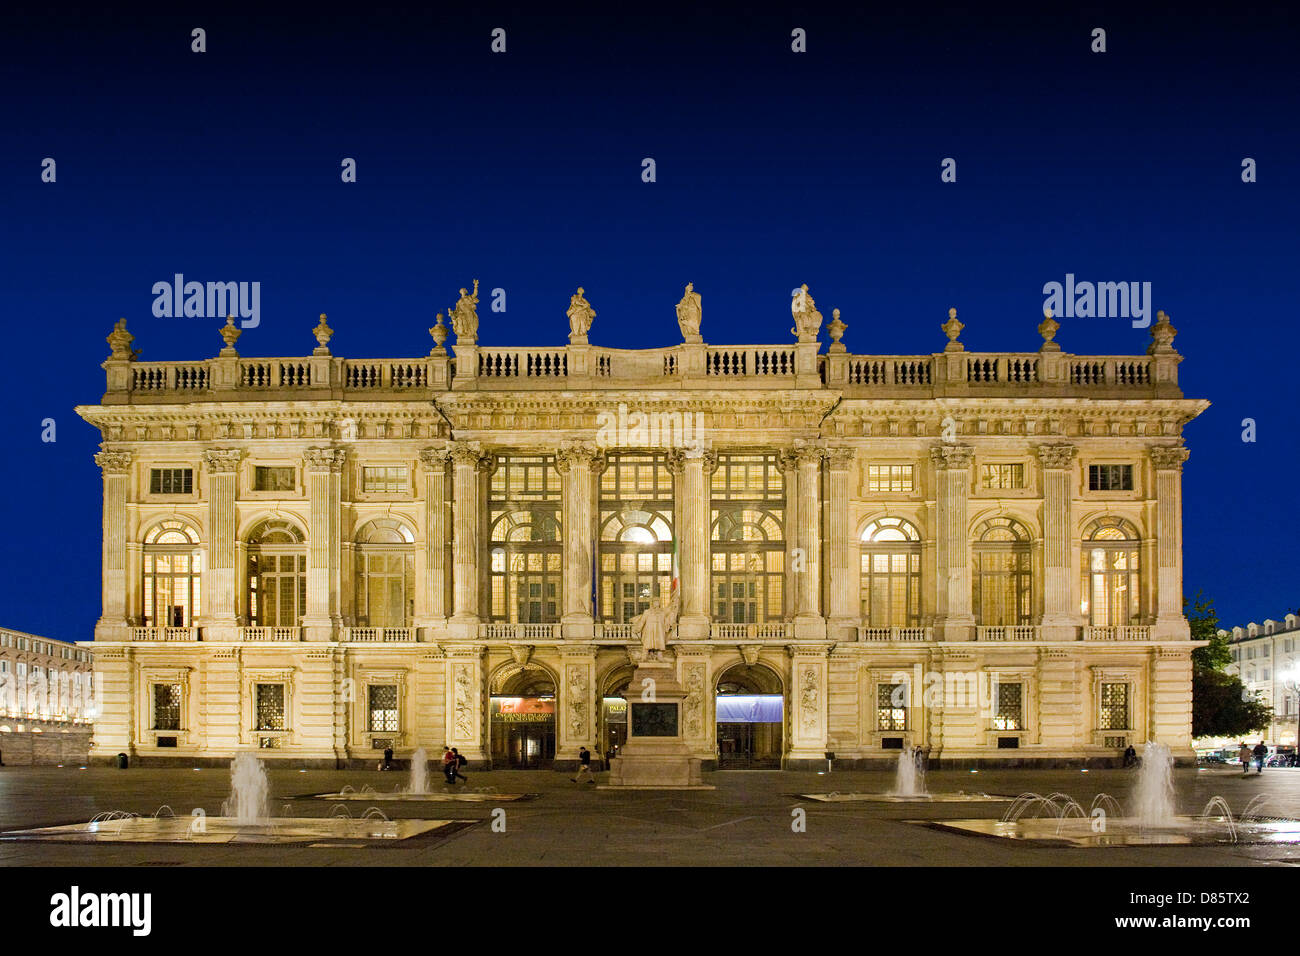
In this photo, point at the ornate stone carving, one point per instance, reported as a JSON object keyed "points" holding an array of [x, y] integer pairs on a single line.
{"points": [[807, 320], [439, 333], [689, 313], [577, 702], [114, 462], [749, 653], [693, 704], [787, 460], [1057, 455], [655, 624], [434, 459], [323, 335], [952, 328], [579, 454], [222, 461], [230, 334], [324, 459], [809, 698], [675, 461], [709, 458], [1169, 457], [119, 340], [809, 454], [464, 317], [1047, 329], [1162, 335], [839, 458], [466, 453], [581, 315], [836, 331], [952, 456], [521, 653], [464, 703]]}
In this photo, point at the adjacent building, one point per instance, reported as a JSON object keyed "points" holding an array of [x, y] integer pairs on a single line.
{"points": [[320, 558], [1264, 657], [47, 699]]}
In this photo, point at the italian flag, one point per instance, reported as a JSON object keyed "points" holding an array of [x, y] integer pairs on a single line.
{"points": [[677, 570]]}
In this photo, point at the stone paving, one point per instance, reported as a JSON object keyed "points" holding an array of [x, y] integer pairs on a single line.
{"points": [[746, 821]]}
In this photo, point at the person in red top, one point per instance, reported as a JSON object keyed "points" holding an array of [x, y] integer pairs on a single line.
{"points": [[449, 765]]}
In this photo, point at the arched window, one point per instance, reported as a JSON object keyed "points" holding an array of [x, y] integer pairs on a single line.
{"points": [[748, 540], [1112, 583], [277, 574], [172, 565], [636, 535], [385, 574], [891, 574], [1003, 581], [524, 505]]}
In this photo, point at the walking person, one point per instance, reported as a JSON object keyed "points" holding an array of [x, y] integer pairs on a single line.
{"points": [[1260, 752], [459, 762], [584, 761], [448, 765], [1244, 754]]}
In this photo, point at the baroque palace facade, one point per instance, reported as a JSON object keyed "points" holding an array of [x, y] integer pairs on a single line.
{"points": [[319, 558]]}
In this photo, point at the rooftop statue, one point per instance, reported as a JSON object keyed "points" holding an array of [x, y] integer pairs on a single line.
{"points": [[464, 317], [807, 320], [689, 313], [580, 314]]}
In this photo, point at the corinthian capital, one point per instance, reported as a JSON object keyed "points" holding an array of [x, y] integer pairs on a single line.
{"points": [[1057, 455], [465, 452], [1169, 457], [329, 460], [580, 454], [114, 462], [222, 461], [839, 458], [952, 456], [434, 459]]}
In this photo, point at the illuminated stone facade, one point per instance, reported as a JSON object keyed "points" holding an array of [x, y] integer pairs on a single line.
{"points": [[320, 557]]}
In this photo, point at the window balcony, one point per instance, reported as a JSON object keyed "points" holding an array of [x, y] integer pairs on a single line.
{"points": [[164, 633], [911, 635]]}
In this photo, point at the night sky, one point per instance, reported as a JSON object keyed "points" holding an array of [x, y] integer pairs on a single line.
{"points": [[773, 169]]}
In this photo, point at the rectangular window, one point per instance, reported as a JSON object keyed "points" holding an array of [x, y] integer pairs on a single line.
{"points": [[384, 479], [1010, 707], [1110, 477], [891, 706], [166, 706], [171, 481], [1114, 707], [889, 478], [266, 478], [383, 707], [1003, 477], [270, 706]]}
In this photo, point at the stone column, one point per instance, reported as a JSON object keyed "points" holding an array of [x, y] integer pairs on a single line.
{"points": [[578, 464], [114, 622], [808, 621], [431, 595], [324, 469], [953, 618], [468, 461], [1170, 624], [692, 475], [787, 462], [843, 577], [1060, 608], [466, 717], [221, 577], [576, 720]]}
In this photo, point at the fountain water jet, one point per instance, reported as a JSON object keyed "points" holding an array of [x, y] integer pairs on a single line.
{"points": [[1153, 798], [420, 771], [249, 791], [909, 779]]}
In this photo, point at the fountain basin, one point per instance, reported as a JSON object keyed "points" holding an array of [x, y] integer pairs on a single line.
{"points": [[467, 796], [322, 830], [1124, 831], [957, 797]]}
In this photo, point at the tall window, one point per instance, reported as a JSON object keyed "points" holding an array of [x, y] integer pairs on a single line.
{"points": [[1011, 707], [383, 707], [172, 564], [891, 574], [385, 574], [1002, 576], [1114, 706], [166, 706], [748, 540], [269, 699], [524, 507], [891, 706], [1112, 588], [277, 575], [636, 535]]}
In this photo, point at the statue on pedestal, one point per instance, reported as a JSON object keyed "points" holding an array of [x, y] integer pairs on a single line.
{"points": [[689, 313], [580, 314], [807, 320], [653, 625], [464, 316]]}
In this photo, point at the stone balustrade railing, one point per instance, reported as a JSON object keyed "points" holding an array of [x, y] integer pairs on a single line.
{"points": [[164, 633], [909, 634], [942, 374], [1008, 632], [379, 635], [263, 633], [1122, 632]]}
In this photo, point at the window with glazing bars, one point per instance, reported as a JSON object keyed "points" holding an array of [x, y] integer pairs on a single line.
{"points": [[891, 706], [166, 706], [1114, 707], [270, 706], [1010, 707], [171, 481], [383, 707]]}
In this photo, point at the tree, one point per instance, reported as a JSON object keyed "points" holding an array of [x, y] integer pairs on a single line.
{"points": [[1221, 704]]}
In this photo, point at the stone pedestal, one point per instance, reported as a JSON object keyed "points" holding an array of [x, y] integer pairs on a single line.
{"points": [[656, 755]]}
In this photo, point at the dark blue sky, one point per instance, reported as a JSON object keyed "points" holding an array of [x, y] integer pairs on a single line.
{"points": [[774, 169]]}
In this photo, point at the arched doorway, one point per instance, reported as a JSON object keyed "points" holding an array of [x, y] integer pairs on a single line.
{"points": [[613, 712], [522, 720], [750, 718]]}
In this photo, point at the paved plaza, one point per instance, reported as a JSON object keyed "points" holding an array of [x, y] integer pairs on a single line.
{"points": [[745, 821]]}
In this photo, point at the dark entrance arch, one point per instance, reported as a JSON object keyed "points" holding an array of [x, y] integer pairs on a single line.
{"points": [[522, 721], [750, 718]]}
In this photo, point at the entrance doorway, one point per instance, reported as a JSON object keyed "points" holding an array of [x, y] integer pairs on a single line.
{"points": [[522, 720], [750, 709]]}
